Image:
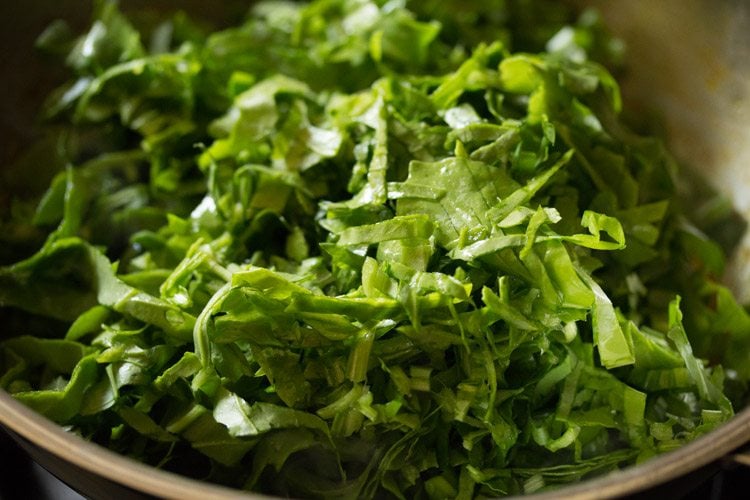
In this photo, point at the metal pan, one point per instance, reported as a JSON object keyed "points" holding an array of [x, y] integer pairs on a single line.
{"points": [[688, 59]]}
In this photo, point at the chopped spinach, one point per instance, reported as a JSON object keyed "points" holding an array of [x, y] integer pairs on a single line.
{"points": [[359, 249]]}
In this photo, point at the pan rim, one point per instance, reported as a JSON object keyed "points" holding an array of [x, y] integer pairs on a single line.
{"points": [[119, 469]]}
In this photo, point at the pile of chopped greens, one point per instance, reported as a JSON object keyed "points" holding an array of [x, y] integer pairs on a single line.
{"points": [[357, 249]]}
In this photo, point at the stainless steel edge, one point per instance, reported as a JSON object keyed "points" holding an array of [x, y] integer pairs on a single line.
{"points": [[53, 439], [50, 437]]}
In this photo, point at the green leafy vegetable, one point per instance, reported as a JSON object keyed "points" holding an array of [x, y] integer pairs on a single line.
{"points": [[362, 249]]}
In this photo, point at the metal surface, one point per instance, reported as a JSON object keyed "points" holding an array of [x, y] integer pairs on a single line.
{"points": [[688, 59], [100, 473], [689, 62]]}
